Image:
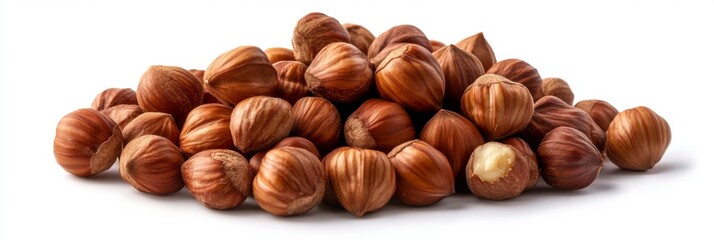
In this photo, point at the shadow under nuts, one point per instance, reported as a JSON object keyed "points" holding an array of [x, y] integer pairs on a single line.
{"points": [[218, 178], [378, 124], [152, 164], [260, 122], [568, 159], [637, 139], [424, 175]]}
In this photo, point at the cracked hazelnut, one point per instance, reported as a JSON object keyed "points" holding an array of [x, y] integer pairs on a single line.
{"points": [[568, 159], [523, 147], [218, 178], [497, 171], [637, 139], [424, 175], [378, 124]]}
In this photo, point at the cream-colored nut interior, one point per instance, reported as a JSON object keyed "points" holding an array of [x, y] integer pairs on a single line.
{"points": [[492, 161]]}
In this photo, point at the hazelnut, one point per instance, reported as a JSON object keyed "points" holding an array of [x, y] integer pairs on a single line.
{"points": [[551, 112], [436, 45], [239, 74], [453, 135], [207, 97], [359, 36], [412, 77], [600, 111], [87, 142], [291, 181], [424, 175], [313, 32], [521, 72], [317, 120], [377, 59], [523, 147], [378, 124], [297, 142], [152, 164], [637, 139], [568, 159], [398, 34], [114, 96], [260, 122], [291, 80], [218, 178], [207, 127], [122, 114], [559, 88], [339, 73], [152, 123], [360, 180], [460, 68], [479, 47], [278, 54], [497, 106], [171, 90], [497, 171]]}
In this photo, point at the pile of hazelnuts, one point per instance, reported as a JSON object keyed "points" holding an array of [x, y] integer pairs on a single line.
{"points": [[352, 120]]}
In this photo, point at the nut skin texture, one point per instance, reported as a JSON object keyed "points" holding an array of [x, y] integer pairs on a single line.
{"points": [[559, 88], [278, 54], [218, 178], [114, 96], [436, 45], [523, 147], [122, 114], [260, 122], [317, 120], [568, 159], [637, 139], [339, 73], [600, 111], [86, 142], [454, 136], [460, 68], [291, 80], [379, 58], [424, 175], [551, 112], [360, 180], [152, 123], [359, 36], [497, 106], [207, 127], [241, 73], [291, 181], [297, 142], [507, 183], [479, 47], [398, 34], [152, 164], [380, 125], [171, 90], [313, 32], [207, 97], [412, 77], [521, 72]]}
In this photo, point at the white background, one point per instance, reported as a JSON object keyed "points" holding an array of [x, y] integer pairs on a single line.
{"points": [[57, 55]]}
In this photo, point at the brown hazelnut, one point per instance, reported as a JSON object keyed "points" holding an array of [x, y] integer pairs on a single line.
{"points": [[207, 97], [339, 73], [454, 136], [436, 45], [497, 171], [291, 80], [600, 111], [171, 90], [297, 142], [291, 181], [551, 112], [424, 175], [207, 127], [359, 36], [317, 120], [87, 142], [360, 180], [521, 72], [412, 77], [122, 114], [479, 47], [239, 74], [523, 147], [152, 164], [637, 139], [378, 124], [260, 122], [278, 54], [313, 32], [218, 178], [497, 106], [114, 96], [379, 58], [152, 123], [559, 88], [460, 68], [398, 34], [568, 159]]}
